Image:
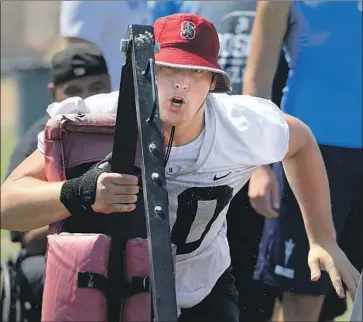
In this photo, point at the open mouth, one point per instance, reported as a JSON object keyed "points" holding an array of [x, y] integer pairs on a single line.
{"points": [[177, 101]]}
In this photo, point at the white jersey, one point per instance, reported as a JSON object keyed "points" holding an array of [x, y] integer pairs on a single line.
{"points": [[240, 133]]}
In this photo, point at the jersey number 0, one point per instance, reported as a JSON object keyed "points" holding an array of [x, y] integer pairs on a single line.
{"points": [[187, 212]]}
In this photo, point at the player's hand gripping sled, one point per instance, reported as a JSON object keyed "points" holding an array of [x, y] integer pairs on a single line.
{"points": [[116, 267]]}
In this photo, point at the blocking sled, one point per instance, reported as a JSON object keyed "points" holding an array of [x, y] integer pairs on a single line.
{"points": [[109, 267], [82, 283]]}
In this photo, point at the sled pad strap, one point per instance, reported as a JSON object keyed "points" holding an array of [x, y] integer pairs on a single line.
{"points": [[93, 280], [101, 283], [140, 285]]}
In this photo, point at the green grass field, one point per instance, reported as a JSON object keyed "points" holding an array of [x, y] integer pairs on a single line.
{"points": [[8, 141]]}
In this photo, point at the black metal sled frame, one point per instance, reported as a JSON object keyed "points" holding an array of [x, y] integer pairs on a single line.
{"points": [[138, 117]]}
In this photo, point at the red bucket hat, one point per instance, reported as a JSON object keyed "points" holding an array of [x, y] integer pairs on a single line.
{"points": [[191, 42]]}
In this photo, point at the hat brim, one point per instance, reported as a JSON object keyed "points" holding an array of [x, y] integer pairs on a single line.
{"points": [[179, 58]]}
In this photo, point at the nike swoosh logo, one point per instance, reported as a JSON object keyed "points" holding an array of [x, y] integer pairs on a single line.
{"points": [[218, 178]]}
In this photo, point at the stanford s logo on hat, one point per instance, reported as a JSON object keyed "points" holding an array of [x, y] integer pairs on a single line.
{"points": [[187, 30]]}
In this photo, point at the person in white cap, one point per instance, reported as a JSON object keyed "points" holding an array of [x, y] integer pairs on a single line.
{"points": [[219, 140]]}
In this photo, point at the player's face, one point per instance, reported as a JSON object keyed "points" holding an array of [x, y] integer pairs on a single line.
{"points": [[182, 93]]}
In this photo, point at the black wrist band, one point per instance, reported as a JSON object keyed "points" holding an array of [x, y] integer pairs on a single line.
{"points": [[79, 194]]}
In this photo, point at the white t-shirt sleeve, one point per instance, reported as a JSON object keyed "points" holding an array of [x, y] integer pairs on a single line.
{"points": [[101, 103], [256, 128], [82, 19]]}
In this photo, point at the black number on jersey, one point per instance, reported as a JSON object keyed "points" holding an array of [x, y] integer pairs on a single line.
{"points": [[187, 211]]}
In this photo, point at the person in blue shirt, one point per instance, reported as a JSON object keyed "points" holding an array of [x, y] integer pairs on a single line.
{"points": [[323, 45]]}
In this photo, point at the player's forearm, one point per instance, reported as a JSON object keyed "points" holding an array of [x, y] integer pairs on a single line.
{"points": [[30, 203], [306, 173]]}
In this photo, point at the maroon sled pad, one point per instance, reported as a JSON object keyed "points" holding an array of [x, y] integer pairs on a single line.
{"points": [[137, 307], [75, 139], [68, 257], [77, 264]]}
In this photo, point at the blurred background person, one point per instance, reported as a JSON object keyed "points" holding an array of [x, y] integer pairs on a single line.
{"points": [[103, 23], [78, 70], [324, 90]]}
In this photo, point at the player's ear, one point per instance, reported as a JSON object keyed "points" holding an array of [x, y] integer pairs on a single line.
{"points": [[213, 82]]}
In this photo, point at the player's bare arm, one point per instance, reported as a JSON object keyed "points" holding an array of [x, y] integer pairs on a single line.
{"points": [[29, 201], [304, 154], [305, 171]]}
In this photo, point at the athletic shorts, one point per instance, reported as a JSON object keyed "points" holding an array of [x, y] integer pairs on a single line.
{"points": [[283, 253], [220, 305]]}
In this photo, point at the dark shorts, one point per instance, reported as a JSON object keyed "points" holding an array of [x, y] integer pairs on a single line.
{"points": [[220, 305], [245, 227], [282, 260]]}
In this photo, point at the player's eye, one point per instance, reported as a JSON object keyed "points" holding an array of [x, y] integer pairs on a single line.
{"points": [[169, 70], [197, 71]]}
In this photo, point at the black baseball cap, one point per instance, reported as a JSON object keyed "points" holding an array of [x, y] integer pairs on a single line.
{"points": [[76, 61]]}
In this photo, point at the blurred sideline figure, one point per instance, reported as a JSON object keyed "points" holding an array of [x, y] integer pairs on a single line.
{"points": [[324, 90]]}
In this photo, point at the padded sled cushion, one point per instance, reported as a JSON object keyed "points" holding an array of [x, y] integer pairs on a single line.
{"points": [[69, 254]]}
